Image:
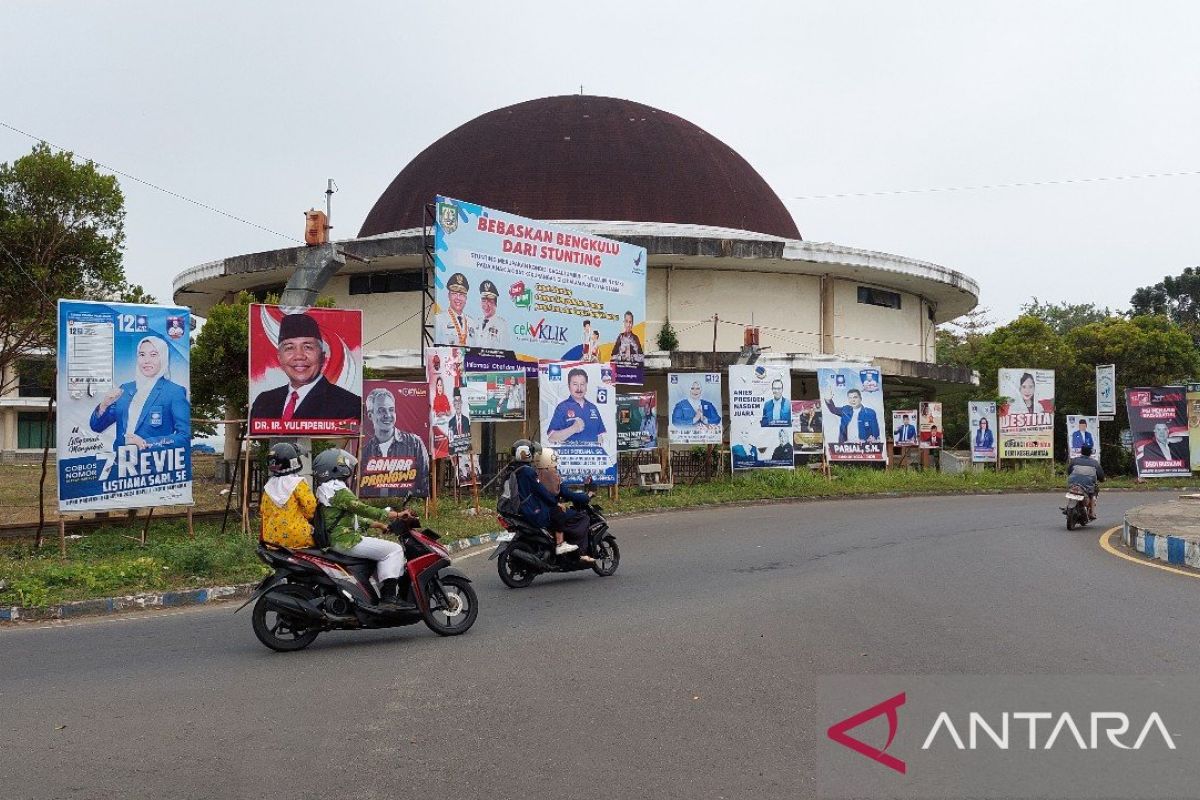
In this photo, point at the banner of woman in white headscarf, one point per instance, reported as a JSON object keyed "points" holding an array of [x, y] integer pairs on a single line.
{"points": [[124, 429], [1026, 416]]}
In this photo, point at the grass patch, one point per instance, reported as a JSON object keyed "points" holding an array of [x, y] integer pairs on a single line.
{"points": [[107, 563]]}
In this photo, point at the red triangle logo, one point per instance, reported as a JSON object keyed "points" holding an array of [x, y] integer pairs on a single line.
{"points": [[837, 732]]}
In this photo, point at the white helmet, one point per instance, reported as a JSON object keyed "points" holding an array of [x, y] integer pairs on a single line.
{"points": [[547, 459]]}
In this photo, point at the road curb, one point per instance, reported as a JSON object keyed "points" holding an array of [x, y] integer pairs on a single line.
{"points": [[1161, 546], [101, 606]]}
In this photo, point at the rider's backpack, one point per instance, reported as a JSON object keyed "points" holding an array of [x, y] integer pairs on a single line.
{"points": [[510, 496]]}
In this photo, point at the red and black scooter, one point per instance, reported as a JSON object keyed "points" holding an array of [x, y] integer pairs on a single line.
{"points": [[314, 590]]}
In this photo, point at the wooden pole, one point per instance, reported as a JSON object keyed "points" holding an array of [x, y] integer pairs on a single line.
{"points": [[246, 489], [474, 481], [190, 524], [146, 527], [433, 482], [62, 537]]}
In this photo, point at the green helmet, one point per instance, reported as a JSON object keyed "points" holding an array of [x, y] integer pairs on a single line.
{"points": [[333, 465]]}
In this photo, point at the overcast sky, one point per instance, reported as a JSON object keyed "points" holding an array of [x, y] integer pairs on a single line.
{"points": [[251, 106]]}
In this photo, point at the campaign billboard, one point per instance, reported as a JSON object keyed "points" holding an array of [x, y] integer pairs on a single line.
{"points": [[1193, 415], [1026, 416], [394, 456], [544, 293], [578, 410], [1083, 430], [904, 427], [494, 395], [695, 402], [124, 417], [807, 441], [305, 371], [982, 416], [760, 417], [449, 414], [637, 421], [852, 397], [1159, 426], [931, 426], [1106, 390]]}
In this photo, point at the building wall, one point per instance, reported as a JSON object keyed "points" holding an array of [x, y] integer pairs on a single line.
{"points": [[869, 330], [392, 319]]}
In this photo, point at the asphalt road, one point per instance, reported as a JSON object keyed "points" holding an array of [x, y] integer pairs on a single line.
{"points": [[688, 674]]}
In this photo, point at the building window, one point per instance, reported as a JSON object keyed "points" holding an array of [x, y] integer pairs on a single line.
{"points": [[384, 282], [878, 297], [35, 377], [32, 431]]}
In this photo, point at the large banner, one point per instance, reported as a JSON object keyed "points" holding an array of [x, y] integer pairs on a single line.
{"points": [[931, 426], [394, 457], [807, 441], [124, 430], [1193, 409], [578, 404], [1027, 416], [305, 371], [495, 395], [637, 421], [1159, 425], [760, 412], [695, 402], [982, 415], [853, 401], [450, 418], [1083, 431], [904, 427], [544, 293], [1106, 391]]}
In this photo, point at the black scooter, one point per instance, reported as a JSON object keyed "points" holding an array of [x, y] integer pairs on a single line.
{"points": [[314, 590], [526, 551], [1076, 507]]}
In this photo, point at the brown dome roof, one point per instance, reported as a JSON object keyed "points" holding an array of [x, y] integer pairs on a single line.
{"points": [[585, 158]]}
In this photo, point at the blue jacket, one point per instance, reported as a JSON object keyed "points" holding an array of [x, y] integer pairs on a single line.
{"points": [[537, 500], [1078, 441], [785, 416], [165, 421], [868, 423], [984, 439], [683, 414]]}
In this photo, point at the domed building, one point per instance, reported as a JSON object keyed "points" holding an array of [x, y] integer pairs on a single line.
{"points": [[723, 251]]}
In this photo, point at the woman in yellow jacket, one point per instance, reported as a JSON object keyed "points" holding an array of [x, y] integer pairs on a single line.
{"points": [[288, 504]]}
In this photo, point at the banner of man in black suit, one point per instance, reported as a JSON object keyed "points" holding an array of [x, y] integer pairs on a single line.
{"points": [[1158, 424]]}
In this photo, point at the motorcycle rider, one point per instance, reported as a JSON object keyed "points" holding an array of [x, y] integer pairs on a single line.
{"points": [[1086, 472], [571, 522], [538, 505], [288, 504], [330, 471]]}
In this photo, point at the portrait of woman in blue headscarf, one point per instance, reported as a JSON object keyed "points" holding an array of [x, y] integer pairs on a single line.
{"points": [[149, 411]]}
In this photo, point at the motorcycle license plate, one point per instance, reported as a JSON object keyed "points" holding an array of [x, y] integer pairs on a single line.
{"points": [[1078, 498], [507, 536]]}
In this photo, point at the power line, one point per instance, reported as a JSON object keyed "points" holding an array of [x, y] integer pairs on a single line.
{"points": [[155, 186], [986, 186]]}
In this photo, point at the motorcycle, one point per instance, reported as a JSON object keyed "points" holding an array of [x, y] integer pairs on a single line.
{"points": [[312, 590], [1076, 508], [526, 551]]}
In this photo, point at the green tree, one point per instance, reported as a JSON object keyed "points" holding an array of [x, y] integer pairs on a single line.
{"points": [[1064, 317], [1177, 298], [667, 339], [219, 366]]}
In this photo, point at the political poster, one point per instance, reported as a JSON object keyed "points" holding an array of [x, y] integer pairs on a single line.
{"points": [[1193, 409], [807, 442], [904, 427], [449, 416], [494, 395], [538, 291], [852, 398], [760, 417], [466, 469], [1026, 416], [982, 416], [695, 402], [637, 421], [1106, 391], [1159, 426], [394, 457], [1082, 431], [305, 371], [578, 405], [931, 426], [124, 418]]}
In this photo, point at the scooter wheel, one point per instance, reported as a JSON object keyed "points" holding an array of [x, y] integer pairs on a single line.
{"points": [[453, 612], [1070, 519], [514, 574], [608, 557], [279, 631]]}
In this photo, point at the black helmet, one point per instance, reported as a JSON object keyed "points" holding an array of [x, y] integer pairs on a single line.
{"points": [[284, 460], [524, 450], [1085, 451], [333, 465]]}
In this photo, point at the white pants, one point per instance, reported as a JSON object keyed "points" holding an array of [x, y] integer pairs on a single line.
{"points": [[389, 556]]}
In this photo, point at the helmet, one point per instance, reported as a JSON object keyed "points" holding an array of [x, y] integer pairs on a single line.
{"points": [[546, 459], [333, 465], [525, 450], [284, 459], [1085, 451]]}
